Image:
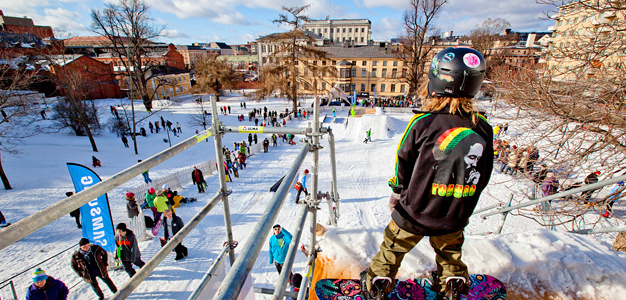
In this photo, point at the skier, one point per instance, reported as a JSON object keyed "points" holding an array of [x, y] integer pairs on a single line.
{"points": [[175, 224], [125, 140], [127, 249], [75, 213], [444, 161], [89, 262], [45, 287], [279, 244], [301, 185], [198, 179]]}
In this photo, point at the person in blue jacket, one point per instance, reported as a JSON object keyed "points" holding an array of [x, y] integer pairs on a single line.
{"points": [[302, 185], [279, 244], [46, 288]]}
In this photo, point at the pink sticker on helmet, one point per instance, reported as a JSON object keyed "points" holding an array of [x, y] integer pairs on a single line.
{"points": [[471, 60]]}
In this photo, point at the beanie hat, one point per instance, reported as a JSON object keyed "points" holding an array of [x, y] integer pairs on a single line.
{"points": [[83, 241], [306, 171], [151, 191], [159, 193], [39, 275], [165, 187], [130, 195], [296, 280], [121, 226]]}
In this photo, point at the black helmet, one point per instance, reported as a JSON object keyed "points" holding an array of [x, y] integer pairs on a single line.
{"points": [[456, 72]]}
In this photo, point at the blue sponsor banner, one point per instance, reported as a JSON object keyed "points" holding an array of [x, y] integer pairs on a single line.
{"points": [[96, 215], [353, 98]]}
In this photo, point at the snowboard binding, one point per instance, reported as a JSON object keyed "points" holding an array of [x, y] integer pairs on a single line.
{"points": [[381, 287], [455, 287]]}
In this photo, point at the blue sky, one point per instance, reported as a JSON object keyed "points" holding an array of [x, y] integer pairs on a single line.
{"points": [[241, 21]]}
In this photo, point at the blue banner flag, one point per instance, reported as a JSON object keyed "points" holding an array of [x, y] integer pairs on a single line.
{"points": [[353, 97], [96, 215]]}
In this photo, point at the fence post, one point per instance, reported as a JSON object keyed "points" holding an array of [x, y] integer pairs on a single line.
{"points": [[13, 290], [504, 216]]}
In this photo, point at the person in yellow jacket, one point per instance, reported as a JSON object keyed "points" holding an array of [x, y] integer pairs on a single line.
{"points": [[496, 132], [161, 202]]}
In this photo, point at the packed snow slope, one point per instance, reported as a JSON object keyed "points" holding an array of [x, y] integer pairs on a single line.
{"points": [[534, 263]]}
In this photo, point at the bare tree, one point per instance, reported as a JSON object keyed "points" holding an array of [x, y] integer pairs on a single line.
{"points": [[294, 49], [129, 28], [213, 75], [201, 117], [415, 49], [486, 35], [16, 108], [575, 104]]}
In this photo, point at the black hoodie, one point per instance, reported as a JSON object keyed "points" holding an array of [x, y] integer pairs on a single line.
{"points": [[443, 163]]}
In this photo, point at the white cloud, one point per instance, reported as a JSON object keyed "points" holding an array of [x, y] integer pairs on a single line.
{"points": [[174, 34], [63, 19], [387, 28], [397, 4]]}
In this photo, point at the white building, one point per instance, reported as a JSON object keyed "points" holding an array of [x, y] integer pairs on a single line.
{"points": [[353, 31]]}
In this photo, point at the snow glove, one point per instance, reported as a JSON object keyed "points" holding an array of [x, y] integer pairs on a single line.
{"points": [[393, 200]]}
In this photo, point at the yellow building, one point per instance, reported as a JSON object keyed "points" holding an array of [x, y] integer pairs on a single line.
{"points": [[588, 38], [192, 54], [369, 70], [164, 82]]}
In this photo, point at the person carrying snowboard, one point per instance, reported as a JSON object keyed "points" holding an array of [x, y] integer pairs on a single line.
{"points": [[444, 161], [173, 223]]}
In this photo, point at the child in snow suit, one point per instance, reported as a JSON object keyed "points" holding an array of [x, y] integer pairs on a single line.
{"points": [[444, 161]]}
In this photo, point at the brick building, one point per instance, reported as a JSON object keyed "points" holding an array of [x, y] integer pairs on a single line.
{"points": [[24, 25], [170, 57], [96, 76]]}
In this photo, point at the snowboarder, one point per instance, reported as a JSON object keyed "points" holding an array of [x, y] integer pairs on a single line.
{"points": [[301, 185], [279, 244], [45, 287], [433, 176], [175, 224], [75, 213], [369, 135], [266, 144], [198, 179], [334, 112], [125, 140], [89, 262], [127, 249]]}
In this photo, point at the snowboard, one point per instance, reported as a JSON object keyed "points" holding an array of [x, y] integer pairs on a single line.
{"points": [[4, 225], [482, 287], [157, 228]]}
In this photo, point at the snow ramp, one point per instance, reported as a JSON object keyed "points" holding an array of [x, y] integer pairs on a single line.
{"points": [[356, 129]]}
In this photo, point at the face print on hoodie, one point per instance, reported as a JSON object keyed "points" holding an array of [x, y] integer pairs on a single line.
{"points": [[458, 152]]}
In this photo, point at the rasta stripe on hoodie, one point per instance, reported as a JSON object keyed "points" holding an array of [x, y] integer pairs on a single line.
{"points": [[394, 180], [449, 139]]}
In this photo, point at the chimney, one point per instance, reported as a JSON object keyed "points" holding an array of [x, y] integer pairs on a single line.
{"points": [[531, 39]]}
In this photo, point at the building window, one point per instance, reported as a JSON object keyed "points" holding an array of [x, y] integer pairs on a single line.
{"points": [[362, 87], [363, 72], [334, 62], [331, 30], [393, 88], [363, 29], [344, 30], [402, 90], [384, 73], [394, 73], [353, 87], [343, 40], [373, 88], [374, 63], [323, 62], [353, 72], [374, 72], [361, 39], [323, 85], [403, 73], [324, 73], [349, 30], [325, 30], [384, 63], [364, 63], [382, 88]]}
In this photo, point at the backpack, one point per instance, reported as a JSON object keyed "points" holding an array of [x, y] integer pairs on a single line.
{"points": [[149, 222]]}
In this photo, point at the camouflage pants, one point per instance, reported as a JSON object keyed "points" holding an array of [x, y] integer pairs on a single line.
{"points": [[399, 242]]}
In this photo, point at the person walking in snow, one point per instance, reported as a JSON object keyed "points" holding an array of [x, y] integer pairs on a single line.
{"points": [[249, 138], [146, 175], [125, 140], [279, 245], [127, 249], [266, 145], [151, 127], [90, 261], [131, 205], [173, 223], [198, 179], [236, 166], [75, 213], [444, 161], [591, 178], [178, 128], [150, 196], [255, 139], [301, 185], [45, 287]]}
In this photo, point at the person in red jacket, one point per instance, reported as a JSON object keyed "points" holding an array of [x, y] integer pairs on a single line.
{"points": [[443, 163]]}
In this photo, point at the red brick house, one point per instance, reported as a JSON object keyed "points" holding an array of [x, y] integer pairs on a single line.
{"points": [[24, 25], [97, 77]]}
